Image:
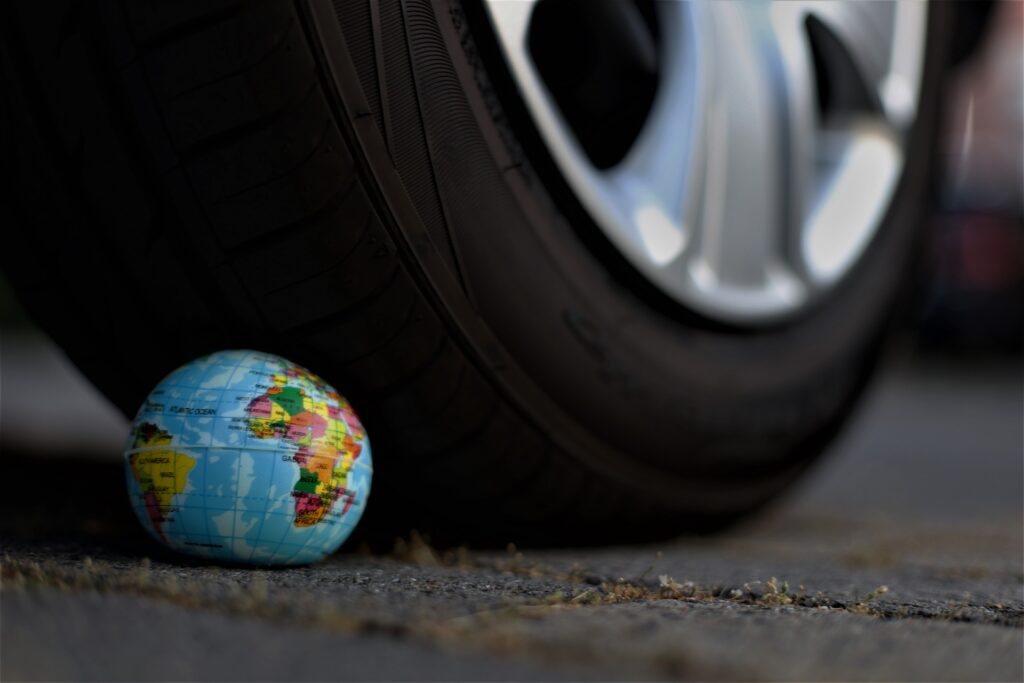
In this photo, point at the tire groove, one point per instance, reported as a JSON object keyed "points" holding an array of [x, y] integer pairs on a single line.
{"points": [[325, 322], [218, 141], [468, 438], [382, 86], [440, 407], [262, 321], [411, 376], [430, 153], [269, 54], [280, 234], [363, 232], [195, 25], [406, 319], [283, 174]]}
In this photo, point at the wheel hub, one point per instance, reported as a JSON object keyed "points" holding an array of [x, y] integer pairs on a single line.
{"points": [[750, 174]]}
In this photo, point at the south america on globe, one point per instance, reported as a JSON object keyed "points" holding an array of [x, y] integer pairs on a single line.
{"points": [[243, 456]]}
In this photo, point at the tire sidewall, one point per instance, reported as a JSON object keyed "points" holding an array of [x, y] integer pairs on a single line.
{"points": [[677, 392]]}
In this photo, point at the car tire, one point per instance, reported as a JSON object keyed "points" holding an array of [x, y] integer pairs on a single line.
{"points": [[354, 187]]}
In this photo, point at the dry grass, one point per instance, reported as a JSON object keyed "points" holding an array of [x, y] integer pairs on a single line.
{"points": [[768, 593], [255, 597]]}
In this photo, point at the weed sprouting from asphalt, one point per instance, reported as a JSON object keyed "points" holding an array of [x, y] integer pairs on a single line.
{"points": [[864, 606], [416, 550], [771, 593]]}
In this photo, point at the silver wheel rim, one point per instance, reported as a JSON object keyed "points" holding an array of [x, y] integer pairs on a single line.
{"points": [[740, 198]]}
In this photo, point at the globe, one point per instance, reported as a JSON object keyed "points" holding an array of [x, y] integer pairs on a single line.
{"points": [[243, 456]]}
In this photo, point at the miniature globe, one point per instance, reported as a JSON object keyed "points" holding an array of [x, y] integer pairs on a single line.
{"points": [[246, 457]]}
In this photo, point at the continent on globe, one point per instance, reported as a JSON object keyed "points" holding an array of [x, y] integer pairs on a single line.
{"points": [[325, 450], [161, 472]]}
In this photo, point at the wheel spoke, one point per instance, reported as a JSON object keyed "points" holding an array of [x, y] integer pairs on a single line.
{"points": [[863, 28], [883, 40], [656, 181], [755, 177]]}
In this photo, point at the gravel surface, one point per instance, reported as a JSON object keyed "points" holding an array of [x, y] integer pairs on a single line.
{"points": [[900, 558]]}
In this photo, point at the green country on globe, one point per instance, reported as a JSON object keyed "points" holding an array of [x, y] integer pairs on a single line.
{"points": [[244, 456]]}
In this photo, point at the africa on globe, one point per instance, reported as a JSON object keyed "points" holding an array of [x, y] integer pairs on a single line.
{"points": [[243, 456]]}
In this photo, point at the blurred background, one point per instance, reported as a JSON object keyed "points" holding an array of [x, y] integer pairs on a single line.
{"points": [[947, 406]]}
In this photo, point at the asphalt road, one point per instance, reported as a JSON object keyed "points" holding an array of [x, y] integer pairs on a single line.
{"points": [[899, 558]]}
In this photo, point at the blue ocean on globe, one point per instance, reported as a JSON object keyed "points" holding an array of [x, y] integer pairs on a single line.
{"points": [[243, 456]]}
